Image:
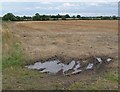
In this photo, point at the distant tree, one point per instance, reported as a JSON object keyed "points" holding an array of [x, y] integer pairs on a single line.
{"points": [[59, 16], [73, 16], [84, 18], [78, 16], [18, 18], [24, 17], [63, 18], [67, 16], [21, 18], [36, 17], [47, 17], [106, 18], [114, 17], [43, 17], [9, 17], [55, 17]]}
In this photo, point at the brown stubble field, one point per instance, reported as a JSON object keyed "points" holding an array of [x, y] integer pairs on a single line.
{"points": [[73, 39], [69, 39]]}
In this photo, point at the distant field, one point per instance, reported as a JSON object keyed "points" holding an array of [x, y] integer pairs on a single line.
{"points": [[65, 38], [73, 39]]}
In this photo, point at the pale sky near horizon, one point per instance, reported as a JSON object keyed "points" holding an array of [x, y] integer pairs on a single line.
{"points": [[87, 8], [59, 1]]}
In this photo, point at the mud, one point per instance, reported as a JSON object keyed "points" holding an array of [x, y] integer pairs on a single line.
{"points": [[54, 66]]}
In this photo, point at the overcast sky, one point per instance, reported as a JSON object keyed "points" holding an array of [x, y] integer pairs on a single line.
{"points": [[87, 8]]}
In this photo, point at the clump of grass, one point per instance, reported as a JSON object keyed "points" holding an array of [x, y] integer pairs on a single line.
{"points": [[14, 58], [107, 82], [111, 77], [12, 53], [77, 86]]}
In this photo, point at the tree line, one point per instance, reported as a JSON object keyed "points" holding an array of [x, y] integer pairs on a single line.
{"points": [[38, 17]]}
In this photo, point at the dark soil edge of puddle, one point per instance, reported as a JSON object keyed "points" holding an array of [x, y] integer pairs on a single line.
{"points": [[83, 61]]}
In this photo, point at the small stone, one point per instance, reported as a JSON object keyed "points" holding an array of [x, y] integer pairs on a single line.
{"points": [[99, 60], [109, 59], [90, 66], [76, 72]]}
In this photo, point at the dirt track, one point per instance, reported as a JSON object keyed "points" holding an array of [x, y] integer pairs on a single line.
{"points": [[69, 40]]}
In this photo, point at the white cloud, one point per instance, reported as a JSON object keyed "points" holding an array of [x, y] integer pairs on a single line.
{"points": [[50, 7], [37, 7], [57, 8], [66, 4], [70, 4], [94, 3], [46, 2], [28, 8], [44, 7]]}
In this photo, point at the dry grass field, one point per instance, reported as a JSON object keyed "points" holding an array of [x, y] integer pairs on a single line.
{"points": [[66, 40]]}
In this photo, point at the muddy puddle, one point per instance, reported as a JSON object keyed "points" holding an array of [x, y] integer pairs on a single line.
{"points": [[73, 67]]}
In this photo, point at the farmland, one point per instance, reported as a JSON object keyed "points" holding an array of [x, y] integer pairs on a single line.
{"points": [[30, 41]]}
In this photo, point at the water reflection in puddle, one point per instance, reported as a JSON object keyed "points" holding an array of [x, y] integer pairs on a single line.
{"points": [[50, 66], [90, 66], [54, 66]]}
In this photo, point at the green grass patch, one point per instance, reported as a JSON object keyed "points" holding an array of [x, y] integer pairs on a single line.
{"points": [[14, 58], [108, 82], [20, 78], [11, 49], [111, 77]]}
